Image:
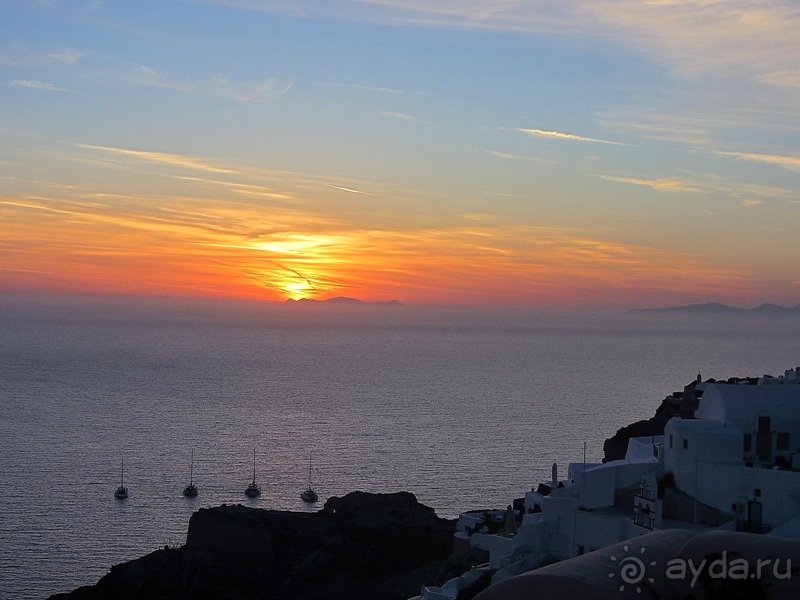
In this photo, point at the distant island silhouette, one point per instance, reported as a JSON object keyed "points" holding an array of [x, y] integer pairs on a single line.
{"points": [[722, 309], [340, 301]]}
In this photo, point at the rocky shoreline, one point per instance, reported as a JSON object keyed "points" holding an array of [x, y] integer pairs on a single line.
{"points": [[358, 546]]}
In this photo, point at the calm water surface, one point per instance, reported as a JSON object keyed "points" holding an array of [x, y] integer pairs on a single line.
{"points": [[466, 410]]}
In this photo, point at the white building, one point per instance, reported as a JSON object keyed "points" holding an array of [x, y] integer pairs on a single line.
{"points": [[742, 453], [736, 465]]}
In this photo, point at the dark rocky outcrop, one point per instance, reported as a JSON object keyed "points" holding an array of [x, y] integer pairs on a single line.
{"points": [[682, 404], [359, 546]]}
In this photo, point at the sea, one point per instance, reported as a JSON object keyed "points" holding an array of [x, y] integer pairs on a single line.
{"points": [[467, 409]]}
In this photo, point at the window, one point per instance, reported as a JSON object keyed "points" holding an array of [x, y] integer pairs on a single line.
{"points": [[757, 492], [685, 444], [670, 441], [782, 444], [747, 442]]}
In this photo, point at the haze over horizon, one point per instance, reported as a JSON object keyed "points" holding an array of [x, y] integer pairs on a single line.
{"points": [[527, 153]]}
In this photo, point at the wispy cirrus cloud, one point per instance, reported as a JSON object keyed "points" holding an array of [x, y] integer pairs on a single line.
{"points": [[767, 191], [786, 79], [180, 160], [510, 156], [401, 116], [363, 88], [222, 87], [696, 125], [17, 55], [559, 135], [68, 56], [746, 194], [787, 162], [750, 203], [239, 187], [701, 36], [661, 125], [37, 85], [349, 190], [666, 184], [480, 217], [689, 36], [514, 15], [729, 55], [244, 180]]}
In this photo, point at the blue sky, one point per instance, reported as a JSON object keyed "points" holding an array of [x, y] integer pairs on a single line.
{"points": [[620, 153]]}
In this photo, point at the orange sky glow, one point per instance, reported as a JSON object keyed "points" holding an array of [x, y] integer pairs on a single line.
{"points": [[193, 246], [535, 154]]}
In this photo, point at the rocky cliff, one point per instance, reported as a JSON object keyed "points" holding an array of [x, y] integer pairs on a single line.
{"points": [[683, 403], [359, 546]]}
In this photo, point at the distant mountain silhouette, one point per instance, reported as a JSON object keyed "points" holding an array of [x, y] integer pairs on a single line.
{"points": [[768, 308], [717, 308], [342, 301]]}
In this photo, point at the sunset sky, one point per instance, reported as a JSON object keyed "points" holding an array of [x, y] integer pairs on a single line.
{"points": [[542, 153]]}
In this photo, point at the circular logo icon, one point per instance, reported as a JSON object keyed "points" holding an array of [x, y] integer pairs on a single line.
{"points": [[631, 569]]}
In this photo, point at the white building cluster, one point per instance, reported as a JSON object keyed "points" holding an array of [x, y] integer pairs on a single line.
{"points": [[735, 465]]}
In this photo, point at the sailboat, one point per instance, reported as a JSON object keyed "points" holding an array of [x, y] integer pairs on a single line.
{"points": [[121, 492], [190, 491], [309, 495], [253, 491]]}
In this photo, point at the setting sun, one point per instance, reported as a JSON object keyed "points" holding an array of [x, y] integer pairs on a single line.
{"points": [[297, 290], [487, 178], [430, 247]]}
